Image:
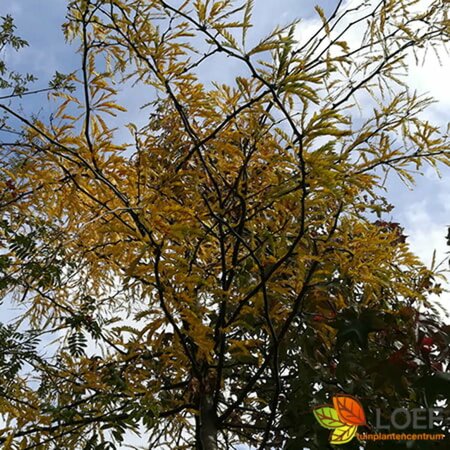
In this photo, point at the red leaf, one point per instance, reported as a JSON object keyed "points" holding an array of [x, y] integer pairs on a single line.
{"points": [[349, 409]]}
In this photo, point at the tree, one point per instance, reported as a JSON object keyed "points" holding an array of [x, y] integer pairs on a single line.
{"points": [[234, 264]]}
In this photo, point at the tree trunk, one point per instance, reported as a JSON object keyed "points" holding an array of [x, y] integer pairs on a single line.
{"points": [[207, 424]]}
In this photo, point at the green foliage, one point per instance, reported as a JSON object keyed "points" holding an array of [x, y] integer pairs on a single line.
{"points": [[8, 38], [16, 349]]}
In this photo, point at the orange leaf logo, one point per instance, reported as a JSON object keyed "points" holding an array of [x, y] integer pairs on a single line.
{"points": [[349, 410], [343, 419]]}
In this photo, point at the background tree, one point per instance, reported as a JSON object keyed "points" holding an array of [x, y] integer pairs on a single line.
{"points": [[232, 266]]}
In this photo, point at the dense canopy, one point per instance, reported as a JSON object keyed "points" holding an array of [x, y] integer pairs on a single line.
{"points": [[232, 262]]}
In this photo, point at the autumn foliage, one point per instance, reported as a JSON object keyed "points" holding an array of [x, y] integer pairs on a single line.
{"points": [[232, 262]]}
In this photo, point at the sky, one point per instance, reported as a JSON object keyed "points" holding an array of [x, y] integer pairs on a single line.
{"points": [[424, 211]]}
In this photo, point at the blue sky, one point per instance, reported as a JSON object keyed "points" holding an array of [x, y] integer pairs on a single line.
{"points": [[424, 211]]}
